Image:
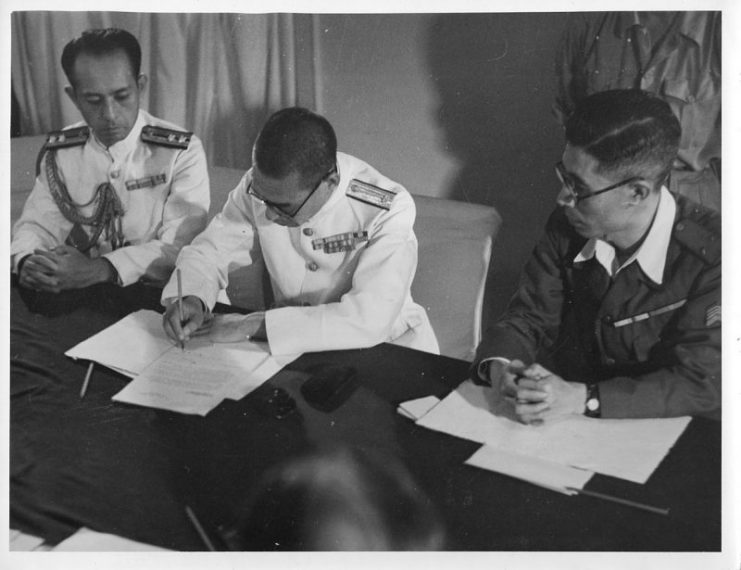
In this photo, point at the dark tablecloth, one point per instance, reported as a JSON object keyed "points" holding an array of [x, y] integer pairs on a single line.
{"points": [[130, 470]]}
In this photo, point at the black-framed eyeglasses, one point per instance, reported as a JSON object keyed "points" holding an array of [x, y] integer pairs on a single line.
{"points": [[575, 197], [280, 211]]}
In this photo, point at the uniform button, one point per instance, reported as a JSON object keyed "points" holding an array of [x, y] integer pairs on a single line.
{"points": [[680, 226], [610, 361], [607, 318], [312, 266], [703, 251], [115, 173], [308, 232]]}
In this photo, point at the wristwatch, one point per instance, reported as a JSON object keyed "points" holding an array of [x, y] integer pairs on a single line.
{"points": [[592, 406]]}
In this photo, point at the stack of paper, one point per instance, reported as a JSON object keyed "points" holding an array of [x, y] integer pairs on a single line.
{"points": [[628, 449], [193, 380]]}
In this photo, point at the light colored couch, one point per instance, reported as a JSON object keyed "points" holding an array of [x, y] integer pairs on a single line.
{"points": [[455, 240]]}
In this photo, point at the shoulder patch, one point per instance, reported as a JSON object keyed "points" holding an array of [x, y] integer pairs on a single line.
{"points": [[370, 194], [700, 240], [166, 137], [67, 137]]}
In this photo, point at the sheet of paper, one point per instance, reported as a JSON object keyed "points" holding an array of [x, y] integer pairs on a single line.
{"points": [[260, 374], [415, 409], [548, 474], [128, 346], [628, 449], [190, 381], [22, 542], [86, 540]]}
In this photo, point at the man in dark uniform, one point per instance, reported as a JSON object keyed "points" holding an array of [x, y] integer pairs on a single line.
{"points": [[617, 314]]}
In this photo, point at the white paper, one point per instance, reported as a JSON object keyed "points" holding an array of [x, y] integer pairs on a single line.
{"points": [[86, 540], [191, 381], [628, 449], [22, 542], [415, 409], [548, 474], [266, 369], [127, 346]]}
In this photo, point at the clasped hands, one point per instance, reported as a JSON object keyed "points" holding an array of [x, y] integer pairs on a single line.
{"points": [[536, 393], [63, 267], [197, 321]]}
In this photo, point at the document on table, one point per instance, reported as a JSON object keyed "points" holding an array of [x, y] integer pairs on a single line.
{"points": [[548, 474], [86, 540], [191, 381], [628, 449], [415, 409], [127, 346]]}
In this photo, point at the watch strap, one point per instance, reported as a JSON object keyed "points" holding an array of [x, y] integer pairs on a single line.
{"points": [[593, 405]]}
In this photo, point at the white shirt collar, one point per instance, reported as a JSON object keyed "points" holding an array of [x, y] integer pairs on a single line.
{"points": [[125, 146], [651, 255]]}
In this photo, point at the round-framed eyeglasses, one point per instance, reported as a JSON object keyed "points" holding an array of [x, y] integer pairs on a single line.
{"points": [[577, 190], [280, 211]]}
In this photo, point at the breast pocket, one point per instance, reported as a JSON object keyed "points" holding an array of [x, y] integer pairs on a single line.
{"points": [[700, 89], [646, 332]]}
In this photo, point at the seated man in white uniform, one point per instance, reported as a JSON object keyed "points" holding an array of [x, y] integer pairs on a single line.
{"points": [[336, 238], [117, 195]]}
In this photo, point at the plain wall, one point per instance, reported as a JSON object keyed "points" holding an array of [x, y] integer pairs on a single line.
{"points": [[455, 106]]}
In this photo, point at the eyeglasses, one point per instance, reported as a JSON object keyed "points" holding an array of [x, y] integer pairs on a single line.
{"points": [[571, 185], [280, 211]]}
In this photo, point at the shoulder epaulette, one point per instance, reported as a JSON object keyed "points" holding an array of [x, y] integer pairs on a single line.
{"points": [[67, 137], [699, 239], [166, 137], [370, 194]]}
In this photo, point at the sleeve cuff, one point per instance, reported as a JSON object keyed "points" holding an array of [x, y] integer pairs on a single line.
{"points": [[483, 368]]}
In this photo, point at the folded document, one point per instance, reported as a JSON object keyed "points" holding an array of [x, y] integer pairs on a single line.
{"points": [[628, 449], [193, 380]]}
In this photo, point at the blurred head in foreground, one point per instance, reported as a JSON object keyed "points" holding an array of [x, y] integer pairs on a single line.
{"points": [[338, 499]]}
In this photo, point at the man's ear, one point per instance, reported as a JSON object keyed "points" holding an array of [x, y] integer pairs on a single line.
{"points": [[640, 190], [333, 180], [70, 91], [141, 82]]}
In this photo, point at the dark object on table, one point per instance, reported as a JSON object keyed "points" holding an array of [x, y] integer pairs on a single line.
{"points": [[329, 387]]}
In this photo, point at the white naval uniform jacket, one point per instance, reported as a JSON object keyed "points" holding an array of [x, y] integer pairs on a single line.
{"points": [[326, 299], [161, 214]]}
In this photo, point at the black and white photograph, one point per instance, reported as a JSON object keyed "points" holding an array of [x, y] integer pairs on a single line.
{"points": [[320, 285]]}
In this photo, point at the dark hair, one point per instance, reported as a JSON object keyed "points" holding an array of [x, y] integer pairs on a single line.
{"points": [[296, 140], [628, 131], [302, 498], [101, 42]]}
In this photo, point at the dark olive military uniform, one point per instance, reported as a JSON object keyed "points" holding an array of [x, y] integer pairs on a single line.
{"points": [[655, 350]]}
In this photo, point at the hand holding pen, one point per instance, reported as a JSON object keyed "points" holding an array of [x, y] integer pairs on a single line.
{"points": [[182, 319]]}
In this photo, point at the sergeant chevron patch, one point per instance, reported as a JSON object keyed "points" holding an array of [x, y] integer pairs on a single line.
{"points": [[712, 315]]}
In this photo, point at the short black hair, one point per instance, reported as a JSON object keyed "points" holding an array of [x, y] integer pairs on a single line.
{"points": [[368, 491], [101, 42], [628, 131], [296, 140]]}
